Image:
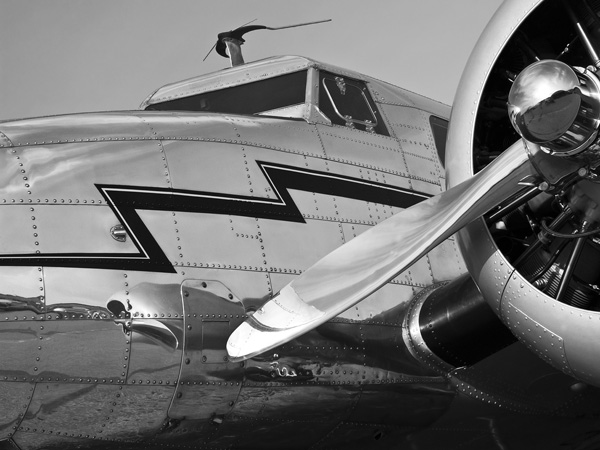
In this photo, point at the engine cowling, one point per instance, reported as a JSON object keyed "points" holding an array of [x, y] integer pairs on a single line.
{"points": [[538, 266]]}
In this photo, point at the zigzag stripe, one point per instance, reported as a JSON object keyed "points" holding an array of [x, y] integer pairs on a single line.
{"points": [[125, 201]]}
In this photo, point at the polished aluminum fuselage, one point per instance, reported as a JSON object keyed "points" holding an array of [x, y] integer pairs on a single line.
{"points": [[124, 340]]}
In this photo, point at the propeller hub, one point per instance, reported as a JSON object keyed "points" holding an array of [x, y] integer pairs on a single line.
{"points": [[556, 106]]}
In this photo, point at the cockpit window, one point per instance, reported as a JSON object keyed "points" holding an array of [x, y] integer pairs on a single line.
{"points": [[252, 98], [348, 102]]}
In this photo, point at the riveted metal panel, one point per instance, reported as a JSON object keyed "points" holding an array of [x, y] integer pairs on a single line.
{"points": [[379, 212], [84, 350], [91, 288], [181, 125], [214, 340], [422, 168], [76, 229], [258, 184], [200, 401], [279, 280], [66, 408], [546, 326], [4, 141], [338, 208], [152, 318], [301, 243], [249, 286], [15, 399], [161, 296], [381, 301], [69, 172], [488, 267], [331, 355], [413, 130], [17, 223], [346, 167], [386, 175], [369, 150], [154, 359], [360, 213], [136, 412], [151, 300], [91, 127], [419, 274], [391, 95], [208, 388], [547, 345], [353, 230], [446, 261], [283, 135], [20, 341], [405, 278], [21, 291], [12, 174], [97, 411], [220, 241], [431, 187], [165, 228], [313, 205], [211, 313], [207, 166]]}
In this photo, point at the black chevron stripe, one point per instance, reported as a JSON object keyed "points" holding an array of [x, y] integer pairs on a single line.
{"points": [[125, 201]]}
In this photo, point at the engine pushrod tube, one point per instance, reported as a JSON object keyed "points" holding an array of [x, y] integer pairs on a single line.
{"points": [[522, 197], [562, 218], [583, 36], [575, 254]]}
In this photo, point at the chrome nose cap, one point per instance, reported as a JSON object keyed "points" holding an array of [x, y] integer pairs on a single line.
{"points": [[553, 105]]}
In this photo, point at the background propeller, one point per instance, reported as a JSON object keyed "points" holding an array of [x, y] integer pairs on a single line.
{"points": [[233, 39]]}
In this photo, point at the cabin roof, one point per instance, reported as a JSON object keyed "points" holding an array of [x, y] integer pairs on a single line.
{"points": [[282, 65], [233, 76]]}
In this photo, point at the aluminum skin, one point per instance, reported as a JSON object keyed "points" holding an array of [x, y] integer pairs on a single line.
{"points": [[121, 343]]}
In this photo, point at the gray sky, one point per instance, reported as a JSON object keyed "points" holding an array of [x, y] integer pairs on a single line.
{"points": [[63, 56]]}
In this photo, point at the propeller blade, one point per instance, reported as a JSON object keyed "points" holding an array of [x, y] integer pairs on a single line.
{"points": [[360, 267], [210, 51], [299, 25], [215, 44]]}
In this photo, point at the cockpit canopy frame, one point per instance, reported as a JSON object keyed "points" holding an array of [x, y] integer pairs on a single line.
{"points": [[285, 87]]}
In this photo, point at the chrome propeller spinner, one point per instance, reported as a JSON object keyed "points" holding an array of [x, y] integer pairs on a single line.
{"points": [[556, 106]]}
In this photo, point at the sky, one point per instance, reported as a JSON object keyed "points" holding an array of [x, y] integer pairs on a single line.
{"points": [[67, 56]]}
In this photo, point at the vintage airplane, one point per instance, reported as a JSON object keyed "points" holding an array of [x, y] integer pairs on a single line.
{"points": [[264, 257]]}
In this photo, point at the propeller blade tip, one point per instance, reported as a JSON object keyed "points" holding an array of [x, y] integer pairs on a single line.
{"points": [[278, 321], [250, 339]]}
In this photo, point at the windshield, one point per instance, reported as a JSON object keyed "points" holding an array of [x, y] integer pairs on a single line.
{"points": [[252, 98]]}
